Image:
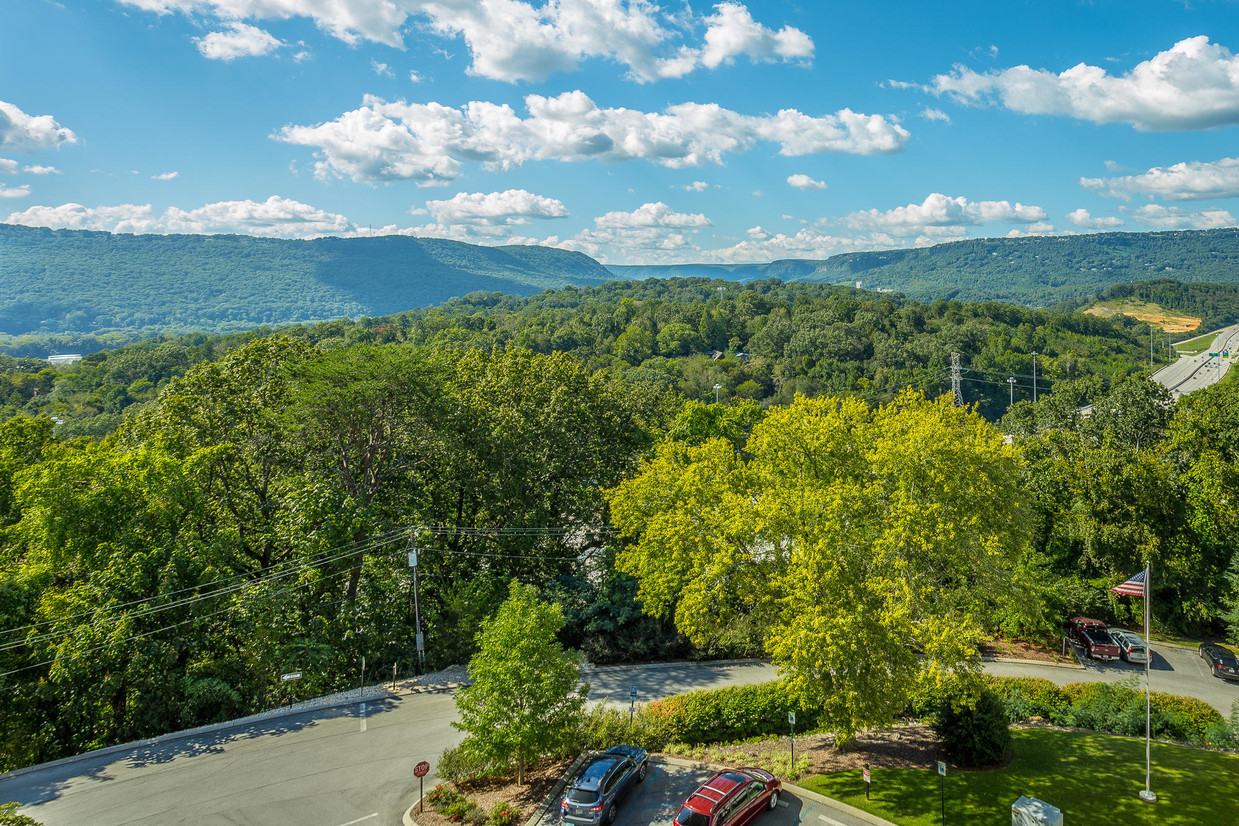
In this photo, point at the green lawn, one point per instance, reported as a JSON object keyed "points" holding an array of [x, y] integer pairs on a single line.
{"points": [[1196, 345], [1092, 778]]}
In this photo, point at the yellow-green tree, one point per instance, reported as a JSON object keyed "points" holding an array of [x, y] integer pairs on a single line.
{"points": [[864, 548]]}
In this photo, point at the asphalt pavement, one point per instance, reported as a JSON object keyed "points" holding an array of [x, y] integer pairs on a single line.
{"points": [[351, 765], [1190, 373]]}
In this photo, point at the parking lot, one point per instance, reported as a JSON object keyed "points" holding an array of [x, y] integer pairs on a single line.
{"points": [[657, 800]]}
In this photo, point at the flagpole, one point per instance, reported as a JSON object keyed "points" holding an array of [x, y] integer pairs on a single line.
{"points": [[1148, 795]]}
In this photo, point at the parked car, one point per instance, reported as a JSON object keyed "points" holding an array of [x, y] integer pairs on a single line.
{"points": [[1092, 634], [593, 797], [730, 798], [1222, 661], [1131, 646]]}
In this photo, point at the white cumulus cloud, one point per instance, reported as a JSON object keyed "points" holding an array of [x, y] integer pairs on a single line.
{"points": [[238, 40], [488, 215], [429, 142], [14, 191], [28, 133], [1192, 85], [166, 176], [515, 40], [940, 215], [8, 167], [1157, 216], [733, 32], [1082, 219], [41, 170], [801, 181], [276, 217], [1191, 181]]}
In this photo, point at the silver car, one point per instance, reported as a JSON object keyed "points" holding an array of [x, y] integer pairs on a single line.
{"points": [[1131, 646]]}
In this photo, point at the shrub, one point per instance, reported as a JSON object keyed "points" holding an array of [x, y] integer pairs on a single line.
{"points": [[464, 763], [1193, 717], [1036, 696], [975, 735], [462, 809], [732, 713], [602, 727], [503, 814], [441, 796]]}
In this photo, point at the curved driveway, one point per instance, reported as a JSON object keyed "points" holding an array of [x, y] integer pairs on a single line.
{"points": [[351, 765]]}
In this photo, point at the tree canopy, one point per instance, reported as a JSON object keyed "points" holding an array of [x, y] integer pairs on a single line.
{"points": [[864, 549]]}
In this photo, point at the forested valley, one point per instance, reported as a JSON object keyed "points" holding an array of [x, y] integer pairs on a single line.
{"points": [[185, 519]]}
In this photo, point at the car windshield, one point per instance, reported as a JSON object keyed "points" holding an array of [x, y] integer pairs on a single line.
{"points": [[687, 817], [582, 795]]}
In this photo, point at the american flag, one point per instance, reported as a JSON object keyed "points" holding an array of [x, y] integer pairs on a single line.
{"points": [[1133, 587]]}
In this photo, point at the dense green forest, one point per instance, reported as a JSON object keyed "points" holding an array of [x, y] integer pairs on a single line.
{"points": [[212, 511], [765, 341], [88, 289], [78, 291], [1041, 271]]}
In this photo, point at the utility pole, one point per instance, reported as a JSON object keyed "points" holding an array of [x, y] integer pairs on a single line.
{"points": [[417, 612], [1150, 345], [1011, 383], [1034, 376], [956, 375]]}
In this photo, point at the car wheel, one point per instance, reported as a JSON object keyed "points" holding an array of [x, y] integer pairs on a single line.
{"points": [[642, 771], [611, 813], [774, 800]]}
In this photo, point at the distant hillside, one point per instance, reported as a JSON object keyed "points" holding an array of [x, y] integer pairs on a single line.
{"points": [[65, 281], [1210, 305], [788, 269], [1038, 272]]}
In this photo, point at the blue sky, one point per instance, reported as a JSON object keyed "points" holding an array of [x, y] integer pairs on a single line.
{"points": [[632, 130]]}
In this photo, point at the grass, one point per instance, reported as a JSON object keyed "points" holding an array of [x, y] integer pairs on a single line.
{"points": [[1091, 778], [1146, 312], [1195, 346]]}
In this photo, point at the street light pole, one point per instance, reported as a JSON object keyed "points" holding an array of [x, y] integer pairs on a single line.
{"points": [[717, 387], [1011, 384]]}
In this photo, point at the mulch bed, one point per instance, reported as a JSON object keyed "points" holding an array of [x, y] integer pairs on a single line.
{"points": [[903, 747], [1049, 650]]}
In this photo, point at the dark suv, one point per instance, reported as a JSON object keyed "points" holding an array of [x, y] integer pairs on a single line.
{"points": [[1222, 662], [730, 798], [593, 797]]}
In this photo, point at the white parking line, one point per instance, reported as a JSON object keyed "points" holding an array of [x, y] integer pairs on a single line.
{"points": [[376, 814], [363, 728], [829, 820]]}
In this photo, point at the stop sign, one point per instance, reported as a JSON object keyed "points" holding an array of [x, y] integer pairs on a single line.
{"points": [[421, 769]]}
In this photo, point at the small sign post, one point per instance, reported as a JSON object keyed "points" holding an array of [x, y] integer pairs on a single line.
{"points": [[865, 774], [288, 678], [942, 788], [420, 771], [632, 705], [791, 721]]}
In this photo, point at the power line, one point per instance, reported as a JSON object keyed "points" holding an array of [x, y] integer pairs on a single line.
{"points": [[152, 632], [299, 566]]}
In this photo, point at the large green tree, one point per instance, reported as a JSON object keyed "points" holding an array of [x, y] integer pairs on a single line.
{"points": [[526, 694], [865, 549]]}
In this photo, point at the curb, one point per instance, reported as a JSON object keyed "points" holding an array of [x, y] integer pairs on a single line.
{"points": [[859, 814], [1018, 661], [676, 664], [261, 717]]}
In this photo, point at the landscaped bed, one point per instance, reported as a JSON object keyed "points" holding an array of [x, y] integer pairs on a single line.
{"points": [[1092, 778]]}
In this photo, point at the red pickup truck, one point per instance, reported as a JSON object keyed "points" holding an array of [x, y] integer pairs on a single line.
{"points": [[1092, 634]]}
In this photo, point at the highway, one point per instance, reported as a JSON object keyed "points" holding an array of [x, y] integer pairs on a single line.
{"points": [[1191, 373], [352, 765]]}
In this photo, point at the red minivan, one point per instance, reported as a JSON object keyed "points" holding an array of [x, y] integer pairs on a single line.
{"points": [[730, 798]]}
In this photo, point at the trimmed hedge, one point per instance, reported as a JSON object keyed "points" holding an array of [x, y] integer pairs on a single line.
{"points": [[1113, 707], [732, 713]]}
